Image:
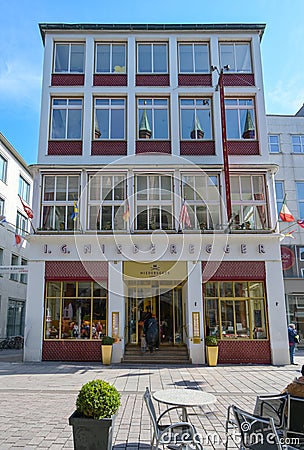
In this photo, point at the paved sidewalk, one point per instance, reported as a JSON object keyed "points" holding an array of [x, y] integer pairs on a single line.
{"points": [[37, 399]]}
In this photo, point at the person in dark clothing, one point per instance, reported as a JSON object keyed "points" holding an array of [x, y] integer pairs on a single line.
{"points": [[293, 340], [151, 332]]}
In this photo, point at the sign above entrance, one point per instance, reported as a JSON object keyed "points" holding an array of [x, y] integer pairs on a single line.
{"points": [[159, 270]]}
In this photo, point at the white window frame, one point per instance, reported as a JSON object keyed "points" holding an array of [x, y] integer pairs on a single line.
{"points": [[3, 168], [240, 107], [300, 200], [196, 106], [69, 62], [98, 202], [205, 201], [67, 204], [2, 206], [235, 46], [154, 198], [110, 107], [24, 189], [68, 106], [152, 57], [153, 106], [299, 144], [21, 224], [111, 69], [274, 147], [193, 45], [14, 262], [23, 276], [279, 201]]}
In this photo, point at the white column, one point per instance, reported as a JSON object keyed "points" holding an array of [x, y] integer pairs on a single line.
{"points": [[276, 314], [194, 303], [116, 303], [33, 333]]}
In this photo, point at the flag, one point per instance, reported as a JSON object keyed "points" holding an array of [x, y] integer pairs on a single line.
{"points": [[301, 223], [184, 218], [28, 211], [18, 240], [285, 214], [75, 211], [126, 214]]}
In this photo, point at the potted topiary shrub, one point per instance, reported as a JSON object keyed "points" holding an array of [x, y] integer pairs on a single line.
{"points": [[211, 350], [106, 349], [93, 421]]}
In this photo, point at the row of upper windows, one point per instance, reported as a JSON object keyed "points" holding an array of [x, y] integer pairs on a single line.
{"points": [[297, 142], [111, 58], [24, 186], [109, 118], [156, 202], [280, 194], [15, 261], [21, 221]]}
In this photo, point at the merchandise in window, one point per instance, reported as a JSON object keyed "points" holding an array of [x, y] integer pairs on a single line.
{"points": [[300, 197], [194, 58], [109, 118], [297, 144], [69, 58], [154, 202], [195, 118], [111, 58], [107, 198], [75, 310], [235, 310], [249, 204], [202, 196], [279, 189], [240, 118], [237, 56], [3, 168], [59, 195], [24, 189], [152, 118], [273, 143], [66, 118], [152, 58]]}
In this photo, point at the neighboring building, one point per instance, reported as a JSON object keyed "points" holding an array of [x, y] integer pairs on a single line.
{"points": [[130, 195], [286, 149], [15, 179]]}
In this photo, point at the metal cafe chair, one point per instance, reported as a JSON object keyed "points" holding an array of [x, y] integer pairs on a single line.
{"points": [[257, 433], [295, 420], [180, 434]]}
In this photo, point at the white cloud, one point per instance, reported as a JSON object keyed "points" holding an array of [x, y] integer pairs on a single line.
{"points": [[285, 97]]}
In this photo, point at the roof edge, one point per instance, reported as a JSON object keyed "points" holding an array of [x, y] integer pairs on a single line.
{"points": [[14, 152]]}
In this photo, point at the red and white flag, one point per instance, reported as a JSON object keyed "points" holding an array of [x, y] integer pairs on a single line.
{"points": [[285, 214], [184, 218], [28, 211], [301, 223]]}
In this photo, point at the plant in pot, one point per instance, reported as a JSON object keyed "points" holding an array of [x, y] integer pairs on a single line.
{"points": [[93, 421], [106, 349], [211, 350]]}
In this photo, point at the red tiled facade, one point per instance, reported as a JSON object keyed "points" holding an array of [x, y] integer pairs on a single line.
{"points": [[73, 350], [110, 80], [65, 148], [109, 148], [243, 147], [153, 147], [152, 80], [73, 79], [197, 148], [76, 270], [195, 80], [242, 79], [244, 352]]}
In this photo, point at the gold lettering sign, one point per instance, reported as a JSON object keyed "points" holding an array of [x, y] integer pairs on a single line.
{"points": [[196, 328], [115, 325], [160, 270]]}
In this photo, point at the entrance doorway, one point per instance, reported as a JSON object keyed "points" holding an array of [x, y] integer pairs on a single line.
{"points": [[165, 302]]}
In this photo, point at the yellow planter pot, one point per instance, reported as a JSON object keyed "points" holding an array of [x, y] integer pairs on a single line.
{"points": [[212, 354], [106, 353]]}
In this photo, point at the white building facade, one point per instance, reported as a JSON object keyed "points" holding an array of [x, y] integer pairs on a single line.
{"points": [[15, 181], [130, 203], [286, 149]]}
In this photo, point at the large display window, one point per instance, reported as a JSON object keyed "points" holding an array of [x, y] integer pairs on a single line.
{"points": [[75, 310], [235, 310]]}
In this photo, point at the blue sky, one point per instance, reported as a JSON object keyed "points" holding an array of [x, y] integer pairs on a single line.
{"points": [[21, 49]]}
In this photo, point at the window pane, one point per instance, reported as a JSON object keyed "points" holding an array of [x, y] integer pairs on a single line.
{"points": [[243, 61], [203, 116], [232, 124], [74, 124], [77, 58], [3, 164], [300, 190], [118, 58], [95, 184], [119, 190], [60, 217], [117, 124], [235, 188], [159, 58], [142, 218], [73, 188], [103, 58], [227, 56], [160, 124], [144, 58], [47, 217], [61, 187], [246, 188], [141, 188], [186, 58], [106, 218], [165, 188], [279, 190], [201, 58], [58, 124], [102, 123], [62, 58], [187, 123]]}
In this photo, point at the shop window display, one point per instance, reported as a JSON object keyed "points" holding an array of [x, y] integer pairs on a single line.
{"points": [[235, 310], [75, 310]]}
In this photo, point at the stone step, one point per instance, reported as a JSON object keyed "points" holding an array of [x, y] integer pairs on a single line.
{"points": [[165, 355]]}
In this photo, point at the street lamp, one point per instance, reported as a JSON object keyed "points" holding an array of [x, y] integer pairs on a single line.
{"points": [[220, 86]]}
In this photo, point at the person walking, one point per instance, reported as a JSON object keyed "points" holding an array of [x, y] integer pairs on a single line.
{"points": [[293, 340]]}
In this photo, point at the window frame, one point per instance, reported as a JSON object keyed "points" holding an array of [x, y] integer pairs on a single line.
{"points": [[24, 189], [193, 45], [240, 107], [154, 108], [14, 262], [117, 206], [23, 276], [69, 61], [300, 199], [279, 201], [66, 203], [159, 203], [21, 224], [235, 45], [196, 107], [152, 71], [110, 107], [2, 206], [300, 144], [272, 145], [3, 168], [111, 71], [68, 107]]}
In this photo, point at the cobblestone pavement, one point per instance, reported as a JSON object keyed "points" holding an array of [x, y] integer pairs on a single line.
{"points": [[36, 400]]}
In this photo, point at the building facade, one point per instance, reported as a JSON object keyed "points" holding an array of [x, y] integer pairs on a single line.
{"points": [[15, 181], [130, 195], [286, 149]]}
